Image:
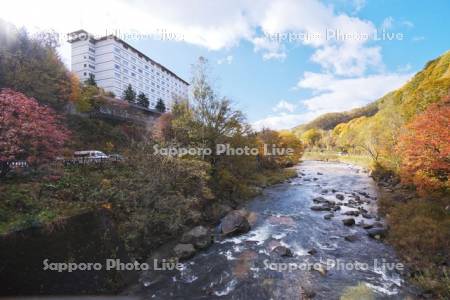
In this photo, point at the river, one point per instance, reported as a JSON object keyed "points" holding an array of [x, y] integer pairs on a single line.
{"points": [[243, 267]]}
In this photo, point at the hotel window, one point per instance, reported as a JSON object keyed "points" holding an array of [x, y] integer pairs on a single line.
{"points": [[91, 58], [125, 71], [133, 59], [133, 74], [140, 71], [92, 67], [133, 67], [92, 50], [146, 67], [117, 50], [117, 75], [117, 67], [125, 63], [117, 58]]}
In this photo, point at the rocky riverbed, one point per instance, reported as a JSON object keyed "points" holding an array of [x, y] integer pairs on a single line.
{"points": [[314, 236]]}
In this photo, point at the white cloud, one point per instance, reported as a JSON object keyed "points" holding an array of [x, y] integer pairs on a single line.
{"points": [[231, 22], [408, 24], [348, 59], [226, 60], [283, 105], [270, 49], [418, 38], [387, 23], [358, 5], [338, 94], [283, 120]]}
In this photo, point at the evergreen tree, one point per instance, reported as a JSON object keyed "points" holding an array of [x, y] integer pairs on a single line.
{"points": [[142, 100], [129, 94], [91, 80], [160, 106]]}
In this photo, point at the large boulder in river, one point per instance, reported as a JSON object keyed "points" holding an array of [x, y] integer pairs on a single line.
{"points": [[282, 251], [184, 251], [198, 236], [234, 223], [348, 222]]}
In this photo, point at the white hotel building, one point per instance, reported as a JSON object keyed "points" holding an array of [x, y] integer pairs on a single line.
{"points": [[115, 64]]}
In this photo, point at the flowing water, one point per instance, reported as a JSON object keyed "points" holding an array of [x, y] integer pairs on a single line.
{"points": [[243, 267]]}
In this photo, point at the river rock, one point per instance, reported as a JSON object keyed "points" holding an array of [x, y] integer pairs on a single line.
{"points": [[312, 252], [349, 222], [377, 233], [367, 226], [324, 191], [351, 238], [199, 236], [328, 216], [184, 251], [378, 224], [322, 200], [333, 191], [320, 268], [318, 173], [321, 207], [367, 216], [354, 213], [340, 197], [234, 223], [282, 251]]}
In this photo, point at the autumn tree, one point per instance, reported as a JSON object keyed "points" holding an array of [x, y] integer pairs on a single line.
{"points": [[75, 88], [424, 147], [32, 66], [311, 137], [29, 131]]}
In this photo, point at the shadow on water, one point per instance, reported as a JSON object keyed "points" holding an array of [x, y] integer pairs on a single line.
{"points": [[328, 257]]}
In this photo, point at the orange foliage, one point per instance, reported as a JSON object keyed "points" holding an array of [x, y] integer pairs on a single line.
{"points": [[425, 148]]}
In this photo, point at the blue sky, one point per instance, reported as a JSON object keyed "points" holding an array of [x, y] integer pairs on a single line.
{"points": [[278, 84]]}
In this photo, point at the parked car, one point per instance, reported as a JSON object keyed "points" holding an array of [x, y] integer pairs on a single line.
{"points": [[116, 157], [90, 156]]}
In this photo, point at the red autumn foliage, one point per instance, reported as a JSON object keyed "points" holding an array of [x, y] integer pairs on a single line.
{"points": [[425, 148], [28, 131]]}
